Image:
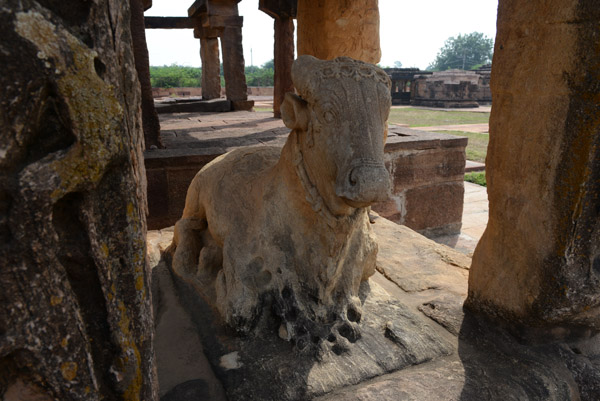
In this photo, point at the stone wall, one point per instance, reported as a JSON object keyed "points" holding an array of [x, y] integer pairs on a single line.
{"points": [[427, 170], [188, 91], [428, 189], [451, 89]]}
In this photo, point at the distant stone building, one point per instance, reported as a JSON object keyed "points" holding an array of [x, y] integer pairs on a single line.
{"points": [[402, 81], [445, 89]]}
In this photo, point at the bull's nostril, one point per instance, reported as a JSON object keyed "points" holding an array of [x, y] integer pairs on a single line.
{"points": [[351, 178]]}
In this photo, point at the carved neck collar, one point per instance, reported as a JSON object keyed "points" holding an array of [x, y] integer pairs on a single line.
{"points": [[316, 201]]}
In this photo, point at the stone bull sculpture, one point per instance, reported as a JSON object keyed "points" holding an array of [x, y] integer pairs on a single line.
{"points": [[288, 229]]}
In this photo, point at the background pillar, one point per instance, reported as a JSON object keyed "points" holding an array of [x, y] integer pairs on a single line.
{"points": [[150, 120], [211, 68], [331, 28], [233, 64], [284, 58]]}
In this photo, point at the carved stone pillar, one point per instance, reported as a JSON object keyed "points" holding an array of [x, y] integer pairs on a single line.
{"points": [[211, 79], [284, 58], [76, 317], [233, 64], [333, 28], [150, 120], [538, 262]]}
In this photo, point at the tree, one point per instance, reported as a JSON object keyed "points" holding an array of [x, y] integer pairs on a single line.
{"points": [[397, 64], [464, 52]]}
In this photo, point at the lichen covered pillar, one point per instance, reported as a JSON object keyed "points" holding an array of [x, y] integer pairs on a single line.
{"points": [[211, 79], [333, 28], [233, 64], [538, 262], [75, 310], [284, 58]]}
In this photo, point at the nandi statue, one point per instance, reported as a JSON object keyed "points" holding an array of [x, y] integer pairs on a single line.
{"points": [[287, 230]]}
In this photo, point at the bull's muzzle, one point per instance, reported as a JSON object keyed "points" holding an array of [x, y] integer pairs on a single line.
{"points": [[364, 184]]}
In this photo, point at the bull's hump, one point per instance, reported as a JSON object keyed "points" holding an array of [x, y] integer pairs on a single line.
{"points": [[248, 162]]}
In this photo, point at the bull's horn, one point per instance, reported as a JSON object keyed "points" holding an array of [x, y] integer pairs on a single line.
{"points": [[303, 71]]}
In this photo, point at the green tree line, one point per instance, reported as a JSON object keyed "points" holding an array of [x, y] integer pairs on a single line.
{"points": [[176, 76], [464, 52]]}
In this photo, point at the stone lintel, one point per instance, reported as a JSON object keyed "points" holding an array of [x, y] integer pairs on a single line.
{"points": [[279, 8], [221, 21], [211, 7], [207, 33], [199, 6], [171, 22]]}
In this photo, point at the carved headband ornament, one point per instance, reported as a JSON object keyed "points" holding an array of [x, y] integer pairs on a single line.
{"points": [[308, 72]]}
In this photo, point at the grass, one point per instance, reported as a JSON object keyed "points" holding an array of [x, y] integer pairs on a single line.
{"points": [[427, 118], [477, 146], [476, 178]]}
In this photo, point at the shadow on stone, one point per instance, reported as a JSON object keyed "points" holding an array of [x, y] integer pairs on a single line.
{"points": [[498, 366], [192, 390]]}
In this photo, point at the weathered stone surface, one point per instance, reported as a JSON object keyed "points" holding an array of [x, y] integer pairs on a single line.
{"points": [[284, 58], [537, 263], [437, 209], [427, 170], [75, 315], [233, 64], [200, 106], [211, 75], [150, 121], [334, 28], [450, 89], [392, 336], [411, 249], [292, 224], [183, 370], [238, 105], [485, 363]]}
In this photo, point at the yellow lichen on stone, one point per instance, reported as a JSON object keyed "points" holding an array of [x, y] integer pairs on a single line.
{"points": [[69, 370], [132, 392], [105, 250], [64, 342], [94, 110], [55, 300], [139, 282]]}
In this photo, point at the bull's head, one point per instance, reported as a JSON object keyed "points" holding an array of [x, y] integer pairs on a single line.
{"points": [[340, 119]]}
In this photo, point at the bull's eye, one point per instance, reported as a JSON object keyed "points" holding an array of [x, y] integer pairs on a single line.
{"points": [[328, 116]]}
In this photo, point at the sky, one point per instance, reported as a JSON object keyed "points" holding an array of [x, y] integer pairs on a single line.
{"points": [[411, 31]]}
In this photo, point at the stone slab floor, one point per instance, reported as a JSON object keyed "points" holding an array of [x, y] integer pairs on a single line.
{"points": [[418, 343]]}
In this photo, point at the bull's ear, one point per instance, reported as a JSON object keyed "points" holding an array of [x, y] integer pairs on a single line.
{"points": [[294, 112]]}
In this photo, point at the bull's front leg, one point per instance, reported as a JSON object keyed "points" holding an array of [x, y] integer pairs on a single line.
{"points": [[187, 245]]}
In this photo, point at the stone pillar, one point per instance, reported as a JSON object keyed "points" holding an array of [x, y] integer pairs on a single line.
{"points": [[211, 68], [75, 310], [142, 65], [538, 262], [284, 58], [233, 64], [333, 28]]}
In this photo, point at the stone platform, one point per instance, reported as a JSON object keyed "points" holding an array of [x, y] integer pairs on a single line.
{"points": [[427, 168], [417, 343]]}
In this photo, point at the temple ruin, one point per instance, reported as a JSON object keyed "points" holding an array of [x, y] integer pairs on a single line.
{"points": [[91, 310]]}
